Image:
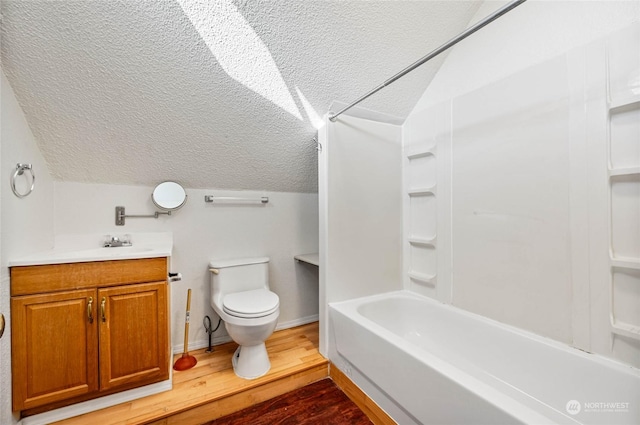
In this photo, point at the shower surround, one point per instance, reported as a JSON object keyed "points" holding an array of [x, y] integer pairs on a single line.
{"points": [[519, 202]]}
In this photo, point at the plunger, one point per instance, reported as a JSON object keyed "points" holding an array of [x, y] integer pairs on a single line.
{"points": [[186, 361]]}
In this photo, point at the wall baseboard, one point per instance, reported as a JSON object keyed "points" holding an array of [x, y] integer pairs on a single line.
{"points": [[297, 322], [96, 404], [204, 343]]}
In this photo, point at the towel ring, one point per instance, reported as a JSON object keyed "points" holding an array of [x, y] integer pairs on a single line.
{"points": [[20, 169]]}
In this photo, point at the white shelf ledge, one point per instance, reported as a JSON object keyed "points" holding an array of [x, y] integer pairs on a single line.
{"points": [[424, 278], [313, 259], [625, 329], [420, 150], [626, 171], [422, 241], [629, 102], [420, 153], [422, 191], [625, 263]]}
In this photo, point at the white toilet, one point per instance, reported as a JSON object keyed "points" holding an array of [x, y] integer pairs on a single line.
{"points": [[240, 295]]}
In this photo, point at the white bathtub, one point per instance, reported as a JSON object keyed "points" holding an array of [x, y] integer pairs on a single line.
{"points": [[442, 365]]}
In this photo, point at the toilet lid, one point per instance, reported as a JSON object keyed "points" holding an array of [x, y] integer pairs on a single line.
{"points": [[255, 303]]}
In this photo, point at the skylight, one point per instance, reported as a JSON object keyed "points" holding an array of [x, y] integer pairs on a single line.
{"points": [[239, 50]]}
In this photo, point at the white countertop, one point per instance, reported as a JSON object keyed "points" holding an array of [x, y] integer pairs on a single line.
{"points": [[84, 248]]}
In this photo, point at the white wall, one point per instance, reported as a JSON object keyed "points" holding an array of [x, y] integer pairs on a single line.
{"points": [[361, 213], [26, 224], [286, 226], [510, 209], [502, 212], [525, 147], [364, 213], [533, 32]]}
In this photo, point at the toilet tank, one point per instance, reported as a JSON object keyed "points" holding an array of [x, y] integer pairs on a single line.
{"points": [[240, 274]]}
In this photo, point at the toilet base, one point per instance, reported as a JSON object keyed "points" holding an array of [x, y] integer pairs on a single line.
{"points": [[251, 361]]}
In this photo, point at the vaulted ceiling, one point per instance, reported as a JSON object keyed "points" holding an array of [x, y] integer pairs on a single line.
{"points": [[214, 94]]}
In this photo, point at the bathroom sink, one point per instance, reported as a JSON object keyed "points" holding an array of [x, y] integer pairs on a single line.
{"points": [[93, 254], [76, 249], [98, 254], [108, 252], [129, 249]]}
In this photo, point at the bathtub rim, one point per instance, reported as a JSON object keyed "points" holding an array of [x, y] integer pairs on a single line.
{"points": [[504, 396], [403, 293], [463, 378]]}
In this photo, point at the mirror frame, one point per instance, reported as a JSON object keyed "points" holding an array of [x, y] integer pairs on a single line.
{"points": [[158, 202]]}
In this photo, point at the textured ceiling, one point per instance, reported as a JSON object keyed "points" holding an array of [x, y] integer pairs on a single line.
{"points": [[213, 94]]}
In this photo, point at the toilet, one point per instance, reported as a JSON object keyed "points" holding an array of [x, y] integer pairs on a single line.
{"points": [[240, 295]]}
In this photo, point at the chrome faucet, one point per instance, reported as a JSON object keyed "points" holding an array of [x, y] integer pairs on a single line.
{"points": [[114, 242]]}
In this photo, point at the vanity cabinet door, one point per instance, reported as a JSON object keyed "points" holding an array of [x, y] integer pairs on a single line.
{"points": [[134, 342], [55, 351]]}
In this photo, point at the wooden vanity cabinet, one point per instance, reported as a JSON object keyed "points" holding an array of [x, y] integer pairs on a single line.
{"points": [[54, 348], [133, 335], [103, 327]]}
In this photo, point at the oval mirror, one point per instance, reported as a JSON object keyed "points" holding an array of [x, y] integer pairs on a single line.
{"points": [[169, 196]]}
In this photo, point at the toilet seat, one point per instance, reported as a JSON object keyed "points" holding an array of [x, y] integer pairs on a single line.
{"points": [[251, 304]]}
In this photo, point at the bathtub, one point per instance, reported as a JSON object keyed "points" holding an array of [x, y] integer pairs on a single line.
{"points": [[443, 365]]}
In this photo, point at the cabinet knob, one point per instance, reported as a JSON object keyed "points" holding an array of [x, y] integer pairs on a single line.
{"points": [[1, 324]]}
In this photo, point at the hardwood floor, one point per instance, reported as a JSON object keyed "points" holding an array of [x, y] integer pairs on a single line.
{"points": [[319, 403], [211, 390]]}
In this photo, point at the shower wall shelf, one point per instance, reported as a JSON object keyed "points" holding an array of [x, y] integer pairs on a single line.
{"points": [[420, 237], [424, 278], [626, 171], [626, 329], [624, 200], [624, 103], [423, 191], [421, 153], [422, 241], [631, 264]]}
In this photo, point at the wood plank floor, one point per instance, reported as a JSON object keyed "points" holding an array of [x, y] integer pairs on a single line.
{"points": [[319, 403], [211, 390]]}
